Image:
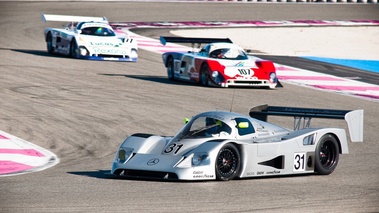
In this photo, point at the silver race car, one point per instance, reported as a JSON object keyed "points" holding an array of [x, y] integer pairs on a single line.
{"points": [[225, 145], [89, 38]]}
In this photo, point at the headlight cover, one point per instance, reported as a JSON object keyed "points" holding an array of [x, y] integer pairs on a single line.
{"points": [[124, 154], [83, 51], [194, 159], [200, 158], [217, 77], [273, 78]]}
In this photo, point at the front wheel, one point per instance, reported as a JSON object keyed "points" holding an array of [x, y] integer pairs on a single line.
{"points": [[170, 68], [228, 163], [327, 155], [49, 42], [204, 75], [74, 49]]}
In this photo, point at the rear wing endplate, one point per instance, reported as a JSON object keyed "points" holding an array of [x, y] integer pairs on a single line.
{"points": [[65, 18], [191, 40], [302, 117]]}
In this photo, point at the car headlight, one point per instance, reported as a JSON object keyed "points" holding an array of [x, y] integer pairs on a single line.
{"points": [[217, 77], [273, 77], [124, 154], [83, 51], [200, 158]]}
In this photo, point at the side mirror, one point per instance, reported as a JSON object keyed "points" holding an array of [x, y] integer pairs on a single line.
{"points": [[243, 125]]}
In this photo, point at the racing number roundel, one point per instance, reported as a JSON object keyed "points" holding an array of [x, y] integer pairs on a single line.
{"points": [[299, 162], [173, 148]]}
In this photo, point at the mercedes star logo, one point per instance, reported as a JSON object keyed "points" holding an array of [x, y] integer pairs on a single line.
{"points": [[152, 161]]}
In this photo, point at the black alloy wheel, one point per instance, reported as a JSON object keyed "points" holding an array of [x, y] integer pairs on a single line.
{"points": [[228, 164], [327, 155]]}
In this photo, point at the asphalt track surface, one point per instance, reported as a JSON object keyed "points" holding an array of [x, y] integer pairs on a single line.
{"points": [[82, 110]]}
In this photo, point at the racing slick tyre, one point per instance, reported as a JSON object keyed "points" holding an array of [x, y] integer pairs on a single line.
{"points": [[204, 75], [73, 49], [327, 155], [170, 68], [49, 42], [228, 163]]}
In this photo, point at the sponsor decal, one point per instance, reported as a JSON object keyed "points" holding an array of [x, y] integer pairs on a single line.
{"points": [[246, 77], [250, 173], [260, 173], [194, 75], [273, 172], [152, 162], [109, 51], [240, 64], [88, 24], [94, 43], [203, 176]]}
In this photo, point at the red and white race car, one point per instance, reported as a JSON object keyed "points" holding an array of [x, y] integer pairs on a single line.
{"points": [[219, 63]]}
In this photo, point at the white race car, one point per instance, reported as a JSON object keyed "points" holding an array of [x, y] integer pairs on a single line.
{"points": [[225, 145], [89, 38]]}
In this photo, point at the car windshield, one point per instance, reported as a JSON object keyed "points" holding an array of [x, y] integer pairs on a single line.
{"points": [[205, 127], [228, 53], [98, 31]]}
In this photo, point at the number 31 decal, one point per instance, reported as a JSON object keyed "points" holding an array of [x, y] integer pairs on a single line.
{"points": [[173, 148], [299, 162]]}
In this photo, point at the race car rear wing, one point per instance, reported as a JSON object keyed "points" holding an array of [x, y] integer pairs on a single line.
{"points": [[191, 40], [302, 117], [65, 18]]}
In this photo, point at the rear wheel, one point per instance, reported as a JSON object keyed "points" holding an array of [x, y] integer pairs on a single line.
{"points": [[228, 163], [327, 155], [204, 76], [49, 42], [170, 68]]}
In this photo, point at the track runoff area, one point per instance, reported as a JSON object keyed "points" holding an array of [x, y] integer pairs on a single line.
{"points": [[18, 156]]}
